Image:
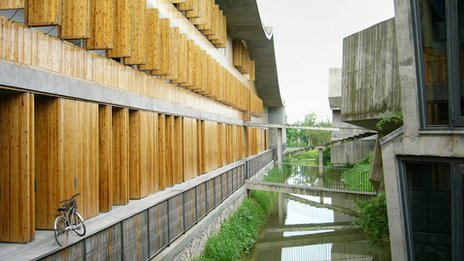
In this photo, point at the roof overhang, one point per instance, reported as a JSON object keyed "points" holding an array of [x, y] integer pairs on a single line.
{"points": [[244, 23]]}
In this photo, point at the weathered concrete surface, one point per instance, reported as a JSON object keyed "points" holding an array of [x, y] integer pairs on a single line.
{"points": [[335, 88], [370, 81], [409, 140], [351, 151], [276, 115]]}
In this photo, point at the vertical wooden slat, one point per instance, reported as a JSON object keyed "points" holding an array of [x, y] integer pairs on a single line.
{"points": [[178, 164], [122, 29], [165, 45], [75, 19], [101, 24], [17, 167], [134, 154], [120, 136], [154, 158], [162, 151], [170, 155], [173, 73], [153, 41], [41, 13], [48, 152], [138, 27], [105, 155]]}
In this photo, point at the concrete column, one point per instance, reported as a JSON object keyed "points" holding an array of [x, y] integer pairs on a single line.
{"points": [[321, 161], [279, 148]]}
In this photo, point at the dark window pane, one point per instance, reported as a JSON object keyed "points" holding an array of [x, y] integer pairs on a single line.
{"points": [[461, 53], [434, 49], [430, 208]]}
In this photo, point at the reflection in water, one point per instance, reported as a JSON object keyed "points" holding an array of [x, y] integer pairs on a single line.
{"points": [[312, 228]]}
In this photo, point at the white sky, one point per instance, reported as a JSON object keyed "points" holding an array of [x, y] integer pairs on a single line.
{"points": [[308, 37]]}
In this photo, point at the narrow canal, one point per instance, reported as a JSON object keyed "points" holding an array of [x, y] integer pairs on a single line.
{"points": [[312, 228], [304, 227]]}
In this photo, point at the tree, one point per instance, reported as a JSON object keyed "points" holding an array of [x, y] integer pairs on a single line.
{"points": [[308, 138]]}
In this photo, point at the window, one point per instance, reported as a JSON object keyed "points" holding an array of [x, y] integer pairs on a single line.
{"points": [[433, 205], [440, 40]]}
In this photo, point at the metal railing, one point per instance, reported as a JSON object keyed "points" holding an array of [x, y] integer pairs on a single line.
{"points": [[146, 233], [323, 178]]}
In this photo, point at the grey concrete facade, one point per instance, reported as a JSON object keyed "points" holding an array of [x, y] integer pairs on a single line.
{"points": [[411, 140], [347, 147], [276, 115], [351, 151], [370, 82]]}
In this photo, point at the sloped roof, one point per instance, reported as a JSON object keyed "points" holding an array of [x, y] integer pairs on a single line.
{"points": [[244, 22]]}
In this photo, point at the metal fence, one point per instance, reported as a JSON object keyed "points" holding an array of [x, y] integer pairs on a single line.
{"points": [[324, 178], [146, 233]]}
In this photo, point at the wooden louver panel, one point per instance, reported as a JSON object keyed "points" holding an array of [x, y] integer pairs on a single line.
{"points": [[11, 4], [75, 19], [42, 13], [138, 27], [122, 29], [101, 24]]}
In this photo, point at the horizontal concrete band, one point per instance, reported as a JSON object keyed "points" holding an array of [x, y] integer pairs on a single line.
{"points": [[40, 81]]}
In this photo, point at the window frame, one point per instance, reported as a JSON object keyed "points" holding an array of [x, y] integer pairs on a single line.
{"points": [[455, 120], [456, 168]]}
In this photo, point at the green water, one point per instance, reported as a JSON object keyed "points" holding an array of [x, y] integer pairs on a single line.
{"points": [[313, 228]]}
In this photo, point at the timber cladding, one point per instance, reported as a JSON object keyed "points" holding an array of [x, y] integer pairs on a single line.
{"points": [[137, 36], [143, 234], [52, 148]]}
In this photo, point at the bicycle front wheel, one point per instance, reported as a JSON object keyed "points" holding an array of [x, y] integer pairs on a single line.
{"points": [[79, 226], [60, 231]]}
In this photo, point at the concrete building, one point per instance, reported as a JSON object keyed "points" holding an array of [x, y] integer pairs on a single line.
{"points": [[348, 147], [422, 160], [142, 107]]}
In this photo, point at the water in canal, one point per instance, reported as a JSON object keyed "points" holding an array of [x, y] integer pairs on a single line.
{"points": [[313, 228]]}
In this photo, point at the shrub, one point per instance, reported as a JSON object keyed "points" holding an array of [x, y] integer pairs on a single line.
{"points": [[373, 219]]}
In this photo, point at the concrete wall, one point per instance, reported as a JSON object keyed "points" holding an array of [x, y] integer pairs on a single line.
{"points": [[370, 82], [276, 115], [335, 88], [351, 151], [410, 140]]}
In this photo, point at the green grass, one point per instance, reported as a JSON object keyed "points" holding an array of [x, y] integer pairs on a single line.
{"points": [[239, 233], [306, 158], [357, 177], [275, 175]]}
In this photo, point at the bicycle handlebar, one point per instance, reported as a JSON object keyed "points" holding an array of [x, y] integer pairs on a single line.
{"points": [[72, 197]]}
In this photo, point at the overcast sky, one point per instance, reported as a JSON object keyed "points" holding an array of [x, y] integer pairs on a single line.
{"points": [[308, 36]]}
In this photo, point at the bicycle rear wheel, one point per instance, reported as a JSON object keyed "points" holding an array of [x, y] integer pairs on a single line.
{"points": [[79, 228], [60, 231]]}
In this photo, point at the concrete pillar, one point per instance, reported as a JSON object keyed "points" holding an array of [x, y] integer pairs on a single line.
{"points": [[279, 148], [321, 161]]}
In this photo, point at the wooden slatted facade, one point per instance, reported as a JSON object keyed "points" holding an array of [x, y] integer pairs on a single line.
{"points": [[52, 147]]}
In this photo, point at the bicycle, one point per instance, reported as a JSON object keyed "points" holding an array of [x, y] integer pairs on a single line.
{"points": [[69, 220]]}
